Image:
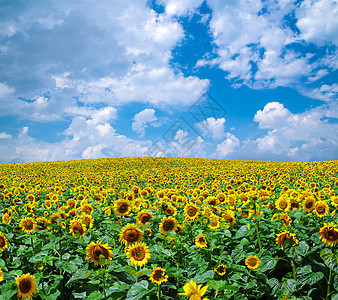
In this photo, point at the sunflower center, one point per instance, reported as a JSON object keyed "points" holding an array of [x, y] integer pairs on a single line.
{"points": [[2, 242], [308, 204], [145, 218], [29, 225], [123, 208], [191, 211], [132, 235], [283, 204], [252, 262], [139, 254], [25, 286], [320, 209], [168, 225], [158, 275]]}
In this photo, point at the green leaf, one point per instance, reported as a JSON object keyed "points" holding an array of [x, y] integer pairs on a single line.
{"points": [[79, 274], [94, 296], [306, 276], [268, 263], [243, 231], [221, 285], [330, 259], [290, 285], [8, 290], [302, 248], [138, 290], [334, 296], [203, 278]]}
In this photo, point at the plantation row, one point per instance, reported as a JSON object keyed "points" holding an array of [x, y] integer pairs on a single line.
{"points": [[169, 228]]}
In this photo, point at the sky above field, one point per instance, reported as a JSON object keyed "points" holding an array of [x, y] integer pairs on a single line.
{"points": [[235, 79]]}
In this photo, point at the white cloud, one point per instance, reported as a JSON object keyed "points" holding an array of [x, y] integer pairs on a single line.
{"points": [[227, 147], [4, 135], [141, 120], [180, 8], [213, 127], [273, 114], [318, 21], [5, 90]]}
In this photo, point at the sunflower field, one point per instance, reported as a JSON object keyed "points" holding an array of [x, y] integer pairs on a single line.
{"points": [[169, 228]]}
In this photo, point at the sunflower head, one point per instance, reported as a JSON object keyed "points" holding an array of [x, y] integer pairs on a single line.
{"points": [[191, 211], [77, 228], [122, 207], [28, 225], [97, 252], [283, 204], [252, 262], [41, 224], [329, 234], [168, 224], [308, 204], [286, 235], [144, 217], [138, 254], [3, 242], [27, 286], [193, 291], [131, 234], [221, 269], [321, 209], [158, 276], [201, 241]]}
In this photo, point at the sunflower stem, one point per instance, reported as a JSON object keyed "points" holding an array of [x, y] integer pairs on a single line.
{"points": [[159, 292], [32, 244], [294, 271], [329, 286]]}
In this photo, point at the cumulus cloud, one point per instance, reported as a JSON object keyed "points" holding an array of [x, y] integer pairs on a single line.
{"points": [[4, 135], [141, 120], [301, 137], [213, 127], [227, 147]]}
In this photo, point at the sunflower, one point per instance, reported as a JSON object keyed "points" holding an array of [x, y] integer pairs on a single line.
{"points": [[283, 204], [77, 228], [191, 211], [144, 217], [221, 269], [86, 209], [122, 207], [329, 234], [158, 275], [27, 286], [48, 204], [201, 241], [130, 234], [286, 235], [97, 251], [252, 262], [171, 210], [138, 254], [89, 220], [1, 275], [6, 218], [229, 217], [28, 225], [214, 222], [321, 209], [193, 291], [308, 204], [334, 201], [41, 224], [168, 224]]}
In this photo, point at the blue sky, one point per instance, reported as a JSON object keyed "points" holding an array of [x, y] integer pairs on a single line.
{"points": [[234, 79]]}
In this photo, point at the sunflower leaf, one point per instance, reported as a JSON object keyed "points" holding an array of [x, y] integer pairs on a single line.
{"points": [[330, 259], [268, 263]]}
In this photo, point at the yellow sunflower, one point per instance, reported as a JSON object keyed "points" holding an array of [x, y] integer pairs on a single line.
{"points": [[89, 220], [144, 217], [191, 211], [95, 251], [334, 201], [308, 204], [158, 276], [130, 234], [28, 225], [41, 224], [168, 224], [252, 262], [329, 234], [86, 209], [286, 235], [229, 217], [201, 241], [27, 286], [283, 204], [122, 207], [214, 222], [77, 228], [193, 291], [6, 218], [321, 209], [1, 275], [221, 269], [138, 254]]}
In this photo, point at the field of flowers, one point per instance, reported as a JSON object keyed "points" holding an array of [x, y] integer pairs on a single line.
{"points": [[169, 228]]}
